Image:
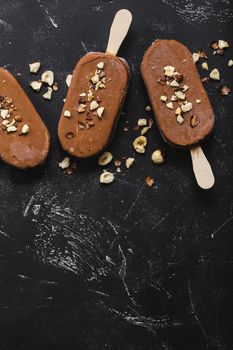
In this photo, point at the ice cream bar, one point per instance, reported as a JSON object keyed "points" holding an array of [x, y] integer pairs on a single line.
{"points": [[182, 109], [24, 139], [95, 97]]}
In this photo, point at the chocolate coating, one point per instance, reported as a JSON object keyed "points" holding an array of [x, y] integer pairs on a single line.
{"points": [[172, 53], [31, 149], [89, 142]]}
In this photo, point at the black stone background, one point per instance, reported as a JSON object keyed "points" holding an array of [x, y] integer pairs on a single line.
{"points": [[86, 266]]}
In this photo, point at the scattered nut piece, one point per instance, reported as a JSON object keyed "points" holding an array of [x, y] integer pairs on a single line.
{"points": [[198, 101], [149, 181], [202, 54], [4, 113], [93, 105], [178, 77], [48, 77], [185, 88], [214, 45], [148, 108], [100, 65], [170, 105], [129, 162], [174, 83], [105, 158], [36, 85], [25, 129], [34, 67], [106, 177], [178, 111], [117, 162], [204, 66], [95, 79], [65, 163], [142, 122], [230, 63], [196, 57], [144, 130], [11, 128], [100, 112], [214, 74], [68, 79], [223, 44], [139, 144], [67, 114], [81, 108], [194, 121], [187, 107], [224, 90], [157, 157], [48, 94], [55, 87], [169, 71], [180, 95], [163, 98], [173, 98], [180, 119], [90, 96]]}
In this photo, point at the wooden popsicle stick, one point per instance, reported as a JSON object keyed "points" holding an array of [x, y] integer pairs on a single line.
{"points": [[202, 168], [118, 31]]}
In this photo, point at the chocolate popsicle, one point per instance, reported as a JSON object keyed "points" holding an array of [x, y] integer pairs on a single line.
{"points": [[95, 96], [24, 139], [183, 112]]}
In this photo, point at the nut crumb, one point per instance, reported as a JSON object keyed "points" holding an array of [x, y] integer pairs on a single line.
{"points": [[139, 144], [106, 177], [215, 74], [129, 162], [142, 122], [34, 67], [36, 85], [100, 112], [163, 98], [48, 94], [196, 57], [187, 107], [93, 105], [68, 79], [204, 66], [150, 181], [224, 90], [65, 163], [148, 108], [230, 63], [105, 158], [180, 119], [48, 77], [67, 114], [170, 105], [25, 129], [157, 157]]}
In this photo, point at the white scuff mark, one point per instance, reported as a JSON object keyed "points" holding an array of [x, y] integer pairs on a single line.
{"points": [[221, 226], [25, 212], [194, 312], [84, 46], [113, 227], [53, 22], [134, 202], [5, 234], [200, 11], [6, 25], [122, 271]]}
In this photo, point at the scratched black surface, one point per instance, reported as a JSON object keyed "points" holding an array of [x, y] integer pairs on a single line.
{"points": [[84, 266]]}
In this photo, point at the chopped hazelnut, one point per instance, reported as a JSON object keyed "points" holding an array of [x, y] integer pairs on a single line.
{"points": [[223, 44], [106, 177], [214, 74], [178, 77], [173, 98], [157, 157], [163, 98], [194, 121], [129, 162], [148, 108], [95, 79], [25, 129], [48, 77], [170, 105], [178, 111], [180, 119], [187, 107], [224, 90], [67, 114], [185, 88], [150, 181], [48, 94], [36, 85], [68, 79], [100, 112], [196, 57], [93, 105], [4, 113], [142, 122], [139, 144], [11, 128], [81, 108], [180, 95], [100, 65], [55, 87], [198, 101], [230, 63], [204, 66], [169, 71], [65, 163], [174, 83], [34, 67], [105, 158]]}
